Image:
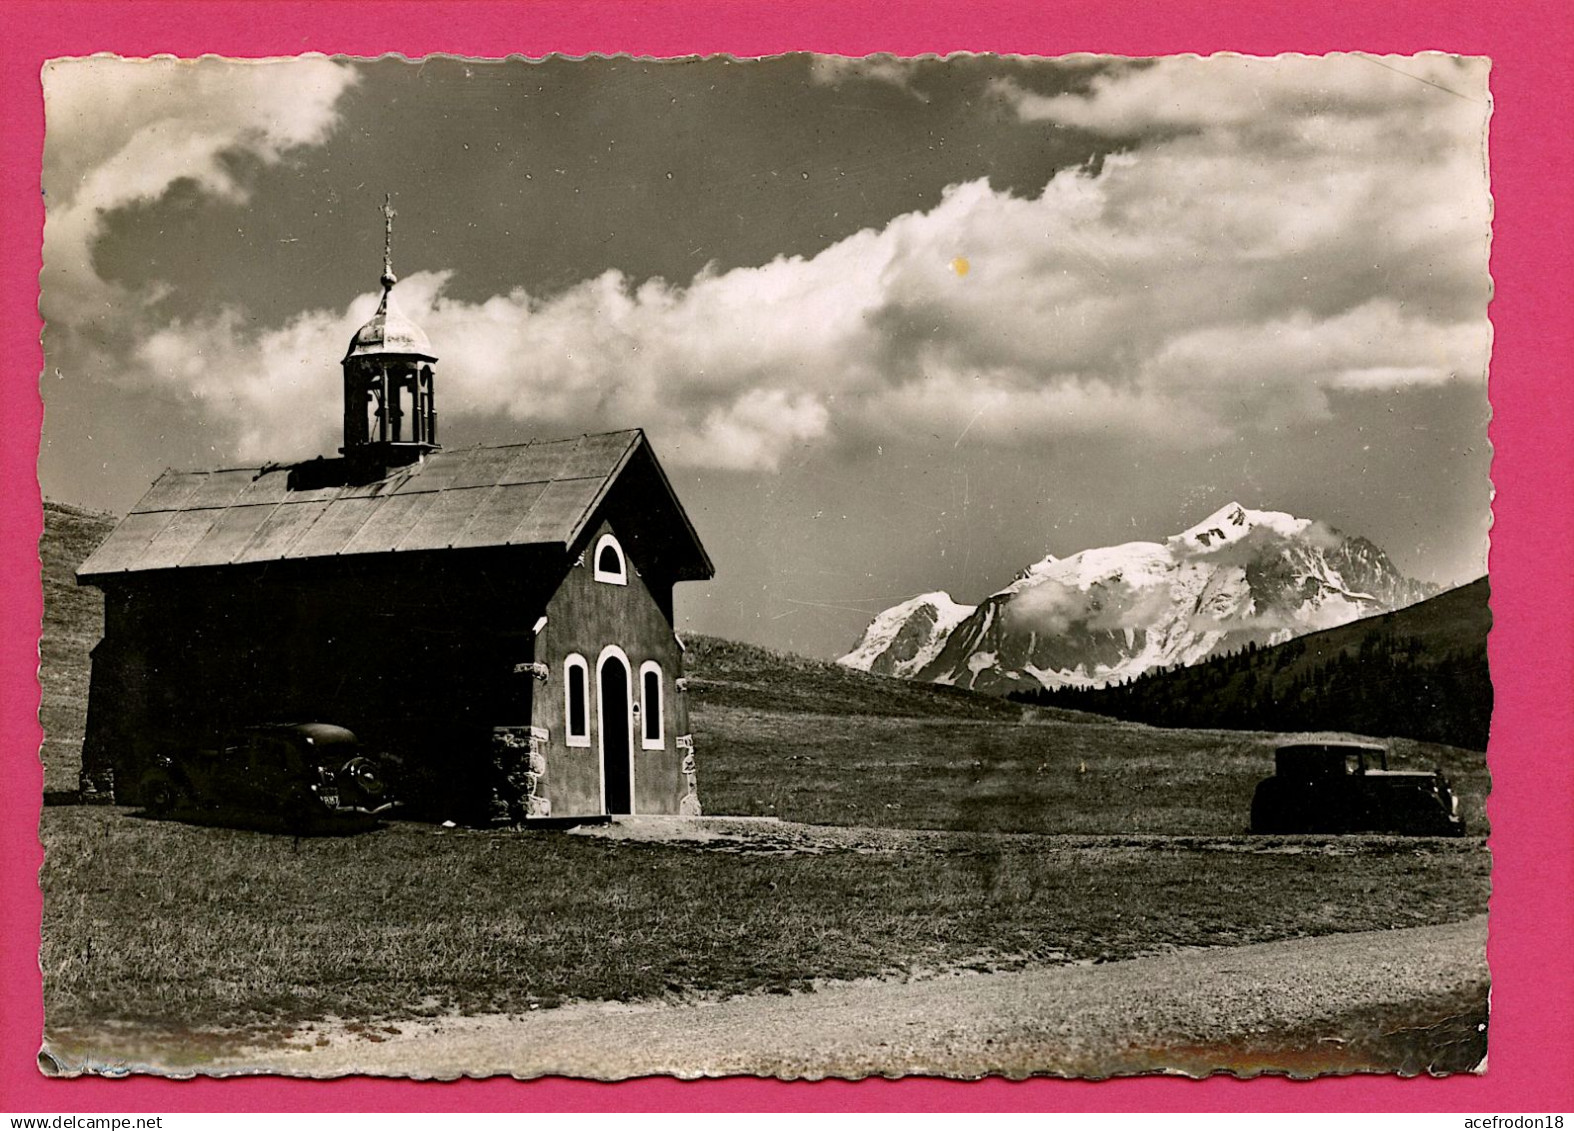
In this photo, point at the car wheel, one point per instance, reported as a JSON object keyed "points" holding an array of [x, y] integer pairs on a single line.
{"points": [[364, 775], [159, 794], [1267, 809]]}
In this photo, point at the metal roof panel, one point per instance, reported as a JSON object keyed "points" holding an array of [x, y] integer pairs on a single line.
{"points": [[481, 467], [557, 513], [393, 518], [269, 485], [232, 529], [378, 488], [441, 524], [436, 473], [168, 493], [499, 515], [124, 547], [170, 546], [218, 488], [279, 531], [333, 530]]}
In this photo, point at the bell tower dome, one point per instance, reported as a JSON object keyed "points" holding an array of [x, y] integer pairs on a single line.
{"points": [[390, 416]]}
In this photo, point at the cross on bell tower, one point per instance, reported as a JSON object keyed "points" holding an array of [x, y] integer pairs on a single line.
{"points": [[390, 414], [389, 278]]}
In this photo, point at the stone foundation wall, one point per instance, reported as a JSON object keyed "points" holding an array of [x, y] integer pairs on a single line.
{"points": [[519, 775]]}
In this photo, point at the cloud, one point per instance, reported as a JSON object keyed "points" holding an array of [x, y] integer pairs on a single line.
{"points": [[1286, 368], [1191, 92], [1054, 608], [119, 132], [600, 355], [1050, 608], [1278, 238], [835, 70]]}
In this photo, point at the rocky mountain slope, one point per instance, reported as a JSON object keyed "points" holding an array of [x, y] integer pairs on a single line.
{"points": [[907, 638], [1419, 673], [1106, 614]]}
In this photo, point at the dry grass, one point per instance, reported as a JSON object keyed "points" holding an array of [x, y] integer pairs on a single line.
{"points": [[168, 923], [1046, 776], [808, 740]]}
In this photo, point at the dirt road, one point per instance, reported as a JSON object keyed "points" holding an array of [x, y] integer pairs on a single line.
{"points": [[1384, 1000]]}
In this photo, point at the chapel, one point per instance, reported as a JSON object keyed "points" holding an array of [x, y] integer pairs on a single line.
{"points": [[499, 619]]}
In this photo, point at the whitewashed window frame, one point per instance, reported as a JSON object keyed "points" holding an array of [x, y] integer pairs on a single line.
{"points": [[660, 741], [608, 577], [573, 663]]}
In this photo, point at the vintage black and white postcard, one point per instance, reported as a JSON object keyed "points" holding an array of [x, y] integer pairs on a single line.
{"points": [[801, 566]]}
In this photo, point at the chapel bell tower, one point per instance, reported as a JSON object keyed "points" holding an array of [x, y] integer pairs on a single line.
{"points": [[390, 418]]}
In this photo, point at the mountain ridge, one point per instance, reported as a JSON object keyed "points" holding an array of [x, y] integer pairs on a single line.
{"points": [[1104, 614], [1420, 672]]}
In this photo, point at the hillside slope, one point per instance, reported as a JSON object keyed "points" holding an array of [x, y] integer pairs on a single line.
{"points": [[73, 622], [726, 673], [1420, 672]]}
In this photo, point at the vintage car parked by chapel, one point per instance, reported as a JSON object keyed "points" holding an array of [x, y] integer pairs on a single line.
{"points": [[298, 777], [500, 619]]}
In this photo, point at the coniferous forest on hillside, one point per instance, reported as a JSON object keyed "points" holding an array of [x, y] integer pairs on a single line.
{"points": [[1417, 673]]}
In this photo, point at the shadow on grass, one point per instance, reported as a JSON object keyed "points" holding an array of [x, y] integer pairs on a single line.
{"points": [[271, 823]]}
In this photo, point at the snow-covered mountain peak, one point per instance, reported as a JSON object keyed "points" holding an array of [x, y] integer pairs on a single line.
{"points": [[906, 637], [1037, 569], [1234, 522], [1110, 612]]}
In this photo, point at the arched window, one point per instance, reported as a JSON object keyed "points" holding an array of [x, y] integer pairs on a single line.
{"points": [[576, 701], [609, 562], [652, 734]]}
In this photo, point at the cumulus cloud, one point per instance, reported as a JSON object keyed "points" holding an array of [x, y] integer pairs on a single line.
{"points": [[119, 132], [1284, 368], [1192, 92], [1053, 608], [1275, 235], [600, 355], [834, 70]]}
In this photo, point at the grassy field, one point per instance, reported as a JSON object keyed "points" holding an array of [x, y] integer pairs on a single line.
{"points": [[808, 740], [171, 924]]}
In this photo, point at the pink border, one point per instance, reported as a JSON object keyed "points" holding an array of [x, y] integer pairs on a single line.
{"points": [[1532, 805]]}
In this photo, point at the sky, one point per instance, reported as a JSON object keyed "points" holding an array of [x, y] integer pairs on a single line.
{"points": [[892, 325]]}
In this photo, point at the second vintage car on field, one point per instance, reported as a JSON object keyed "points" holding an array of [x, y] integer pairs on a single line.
{"points": [[297, 775], [1347, 787]]}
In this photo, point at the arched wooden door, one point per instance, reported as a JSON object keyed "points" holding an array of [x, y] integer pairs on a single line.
{"points": [[617, 751]]}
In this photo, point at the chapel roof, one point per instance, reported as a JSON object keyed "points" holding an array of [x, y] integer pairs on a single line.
{"points": [[544, 492]]}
